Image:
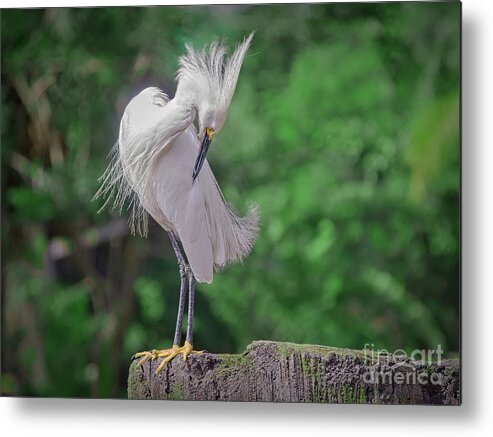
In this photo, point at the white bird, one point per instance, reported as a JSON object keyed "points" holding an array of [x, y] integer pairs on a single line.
{"points": [[159, 164]]}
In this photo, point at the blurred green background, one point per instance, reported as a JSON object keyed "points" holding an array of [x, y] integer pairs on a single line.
{"points": [[344, 129]]}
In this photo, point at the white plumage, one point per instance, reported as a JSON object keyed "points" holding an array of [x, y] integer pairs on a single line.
{"points": [[153, 162]]}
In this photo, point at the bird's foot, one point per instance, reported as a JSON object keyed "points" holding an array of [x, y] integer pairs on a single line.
{"points": [[167, 354]]}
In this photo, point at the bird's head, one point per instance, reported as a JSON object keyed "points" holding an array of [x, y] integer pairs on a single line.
{"points": [[207, 80]]}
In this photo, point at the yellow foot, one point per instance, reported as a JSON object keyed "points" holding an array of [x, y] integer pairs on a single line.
{"points": [[167, 354]]}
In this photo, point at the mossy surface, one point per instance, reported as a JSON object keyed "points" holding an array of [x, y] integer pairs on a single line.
{"points": [[231, 364], [176, 394], [287, 372], [137, 388], [286, 349]]}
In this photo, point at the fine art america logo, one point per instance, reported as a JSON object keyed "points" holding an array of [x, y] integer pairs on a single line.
{"points": [[399, 367]]}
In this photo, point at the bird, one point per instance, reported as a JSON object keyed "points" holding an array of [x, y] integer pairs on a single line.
{"points": [[158, 167]]}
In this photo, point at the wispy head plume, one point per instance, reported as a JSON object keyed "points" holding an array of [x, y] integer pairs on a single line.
{"points": [[211, 71]]}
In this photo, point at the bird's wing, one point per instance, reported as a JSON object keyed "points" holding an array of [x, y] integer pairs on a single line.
{"points": [[145, 132], [232, 236], [178, 204], [195, 237]]}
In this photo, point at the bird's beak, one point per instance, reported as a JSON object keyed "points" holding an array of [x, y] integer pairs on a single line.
{"points": [[204, 147]]}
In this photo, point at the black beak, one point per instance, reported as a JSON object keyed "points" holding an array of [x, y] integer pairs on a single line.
{"points": [[204, 147]]}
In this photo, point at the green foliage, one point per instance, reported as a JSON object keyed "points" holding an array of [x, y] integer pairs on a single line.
{"points": [[150, 298], [434, 142], [344, 131]]}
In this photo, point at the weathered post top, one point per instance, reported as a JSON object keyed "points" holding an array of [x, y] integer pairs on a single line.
{"points": [[287, 372]]}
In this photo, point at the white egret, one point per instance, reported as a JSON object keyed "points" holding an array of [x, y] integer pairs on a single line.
{"points": [[159, 165]]}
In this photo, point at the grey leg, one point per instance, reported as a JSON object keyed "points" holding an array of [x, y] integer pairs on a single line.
{"points": [[183, 286], [191, 301]]}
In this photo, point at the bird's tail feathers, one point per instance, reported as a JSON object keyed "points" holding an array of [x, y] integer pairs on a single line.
{"points": [[236, 236], [247, 228]]}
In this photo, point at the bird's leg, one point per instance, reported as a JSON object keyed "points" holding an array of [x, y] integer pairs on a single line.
{"points": [[187, 348], [181, 305], [191, 302], [173, 351], [183, 285], [169, 354]]}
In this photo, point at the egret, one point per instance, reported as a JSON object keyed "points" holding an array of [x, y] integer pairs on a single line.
{"points": [[159, 167]]}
